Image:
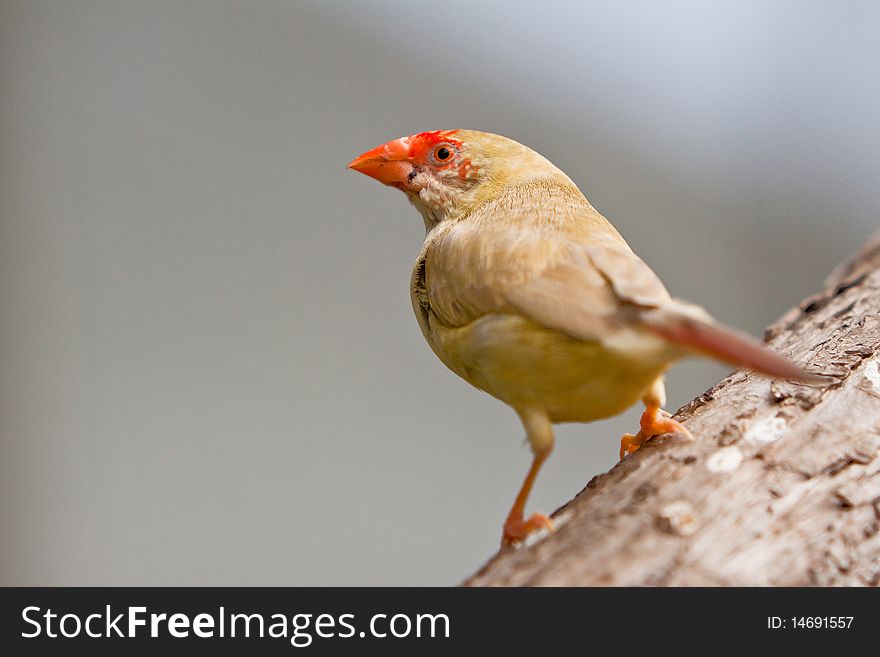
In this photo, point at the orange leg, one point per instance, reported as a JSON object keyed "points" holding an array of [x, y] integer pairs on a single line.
{"points": [[516, 528], [654, 422], [540, 434]]}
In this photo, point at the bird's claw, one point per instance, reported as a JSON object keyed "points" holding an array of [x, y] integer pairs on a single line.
{"points": [[654, 422], [517, 529]]}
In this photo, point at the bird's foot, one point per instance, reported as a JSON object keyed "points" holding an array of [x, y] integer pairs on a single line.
{"points": [[629, 443], [516, 529], [654, 422]]}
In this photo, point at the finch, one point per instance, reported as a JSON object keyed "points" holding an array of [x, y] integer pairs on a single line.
{"points": [[526, 292]]}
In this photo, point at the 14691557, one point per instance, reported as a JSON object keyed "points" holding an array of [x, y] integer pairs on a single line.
{"points": [[810, 622]]}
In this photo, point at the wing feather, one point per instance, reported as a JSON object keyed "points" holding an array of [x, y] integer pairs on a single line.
{"points": [[546, 254]]}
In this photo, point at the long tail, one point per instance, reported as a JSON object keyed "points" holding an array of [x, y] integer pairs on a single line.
{"points": [[689, 327]]}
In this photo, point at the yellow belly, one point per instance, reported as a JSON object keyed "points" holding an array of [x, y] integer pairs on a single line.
{"points": [[528, 366]]}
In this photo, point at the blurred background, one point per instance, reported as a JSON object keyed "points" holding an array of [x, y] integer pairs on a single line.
{"points": [[209, 369]]}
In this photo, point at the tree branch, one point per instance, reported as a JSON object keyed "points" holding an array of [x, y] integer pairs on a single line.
{"points": [[781, 487]]}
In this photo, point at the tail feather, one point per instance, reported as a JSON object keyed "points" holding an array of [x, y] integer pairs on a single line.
{"points": [[724, 343]]}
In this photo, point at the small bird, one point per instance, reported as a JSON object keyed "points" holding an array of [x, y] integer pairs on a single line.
{"points": [[526, 292]]}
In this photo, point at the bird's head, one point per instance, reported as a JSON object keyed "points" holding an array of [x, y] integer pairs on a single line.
{"points": [[448, 173]]}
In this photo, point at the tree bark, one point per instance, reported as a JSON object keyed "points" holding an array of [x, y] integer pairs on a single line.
{"points": [[780, 488]]}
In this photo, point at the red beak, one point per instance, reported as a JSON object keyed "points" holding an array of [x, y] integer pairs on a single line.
{"points": [[388, 163]]}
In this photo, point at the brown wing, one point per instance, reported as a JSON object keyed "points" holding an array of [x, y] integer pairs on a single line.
{"points": [[546, 254]]}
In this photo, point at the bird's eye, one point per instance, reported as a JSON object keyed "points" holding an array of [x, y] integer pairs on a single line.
{"points": [[442, 153]]}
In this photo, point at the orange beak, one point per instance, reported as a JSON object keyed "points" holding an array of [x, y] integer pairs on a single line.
{"points": [[388, 163]]}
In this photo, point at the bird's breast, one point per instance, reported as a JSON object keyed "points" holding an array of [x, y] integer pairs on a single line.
{"points": [[529, 366]]}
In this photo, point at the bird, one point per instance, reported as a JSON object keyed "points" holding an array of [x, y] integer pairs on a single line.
{"points": [[524, 290]]}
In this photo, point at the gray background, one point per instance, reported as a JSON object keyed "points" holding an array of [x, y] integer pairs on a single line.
{"points": [[210, 371]]}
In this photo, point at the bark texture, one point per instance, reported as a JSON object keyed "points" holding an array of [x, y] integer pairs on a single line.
{"points": [[781, 487]]}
